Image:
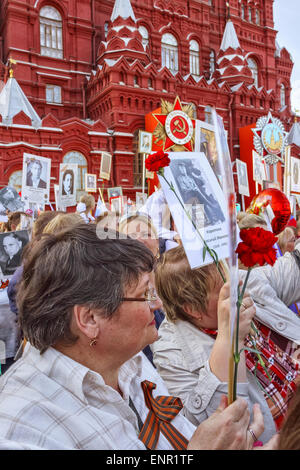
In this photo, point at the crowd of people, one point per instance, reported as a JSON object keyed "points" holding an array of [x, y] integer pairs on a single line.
{"points": [[111, 341]]}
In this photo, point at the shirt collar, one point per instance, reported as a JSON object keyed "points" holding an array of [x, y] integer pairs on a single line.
{"points": [[71, 374]]}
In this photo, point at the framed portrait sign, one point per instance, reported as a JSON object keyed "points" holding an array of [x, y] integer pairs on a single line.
{"points": [[36, 178], [295, 175], [200, 193], [11, 248], [205, 141], [242, 175], [90, 181], [116, 204], [105, 165], [10, 200], [145, 142], [67, 184], [114, 192], [140, 199]]}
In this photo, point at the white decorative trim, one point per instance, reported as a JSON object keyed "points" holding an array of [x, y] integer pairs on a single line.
{"points": [[16, 144]]}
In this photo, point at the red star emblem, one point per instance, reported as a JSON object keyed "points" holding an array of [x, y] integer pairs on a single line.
{"points": [[179, 127]]}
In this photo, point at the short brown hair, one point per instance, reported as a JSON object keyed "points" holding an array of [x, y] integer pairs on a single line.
{"points": [[177, 284], [88, 200], [75, 267]]}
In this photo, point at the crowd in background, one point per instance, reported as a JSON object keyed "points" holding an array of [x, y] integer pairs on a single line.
{"points": [[188, 307]]}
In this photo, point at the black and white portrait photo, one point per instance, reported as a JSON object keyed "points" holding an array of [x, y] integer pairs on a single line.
{"points": [[295, 175], [10, 199], [90, 182], [36, 178], [114, 192], [105, 166], [242, 174], [145, 142], [198, 206], [34, 174], [68, 182], [196, 192], [66, 196], [11, 248]]}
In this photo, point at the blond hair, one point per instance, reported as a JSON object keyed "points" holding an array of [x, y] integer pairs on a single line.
{"points": [[250, 221], [88, 200], [284, 237], [144, 218], [178, 285], [63, 221]]}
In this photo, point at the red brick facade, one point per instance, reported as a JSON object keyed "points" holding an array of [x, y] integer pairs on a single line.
{"points": [[106, 80]]}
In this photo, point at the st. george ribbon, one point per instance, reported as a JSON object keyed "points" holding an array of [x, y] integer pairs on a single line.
{"points": [[224, 169]]}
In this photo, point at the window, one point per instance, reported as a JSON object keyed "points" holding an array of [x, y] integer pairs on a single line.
{"points": [[105, 29], [150, 83], [137, 162], [53, 94], [254, 70], [15, 180], [212, 62], [77, 157], [194, 58], [145, 36], [242, 12], [250, 14], [51, 32], [282, 95], [208, 114], [169, 52], [257, 17], [136, 80]]}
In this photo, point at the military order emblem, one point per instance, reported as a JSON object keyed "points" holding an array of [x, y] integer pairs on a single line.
{"points": [[270, 139], [176, 126]]}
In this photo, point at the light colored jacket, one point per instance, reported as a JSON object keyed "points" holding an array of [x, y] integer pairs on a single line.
{"points": [[181, 355], [273, 289]]}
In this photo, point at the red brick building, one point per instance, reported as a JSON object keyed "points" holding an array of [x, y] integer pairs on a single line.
{"points": [[92, 70]]}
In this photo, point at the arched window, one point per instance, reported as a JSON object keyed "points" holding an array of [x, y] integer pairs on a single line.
{"points": [[51, 32], [194, 58], [77, 157], [254, 70], [250, 14], [282, 95], [212, 62], [169, 52], [257, 17], [242, 12], [145, 36], [208, 114], [15, 180]]}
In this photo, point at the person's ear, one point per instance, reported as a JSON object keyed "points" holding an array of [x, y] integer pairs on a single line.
{"points": [[86, 320], [192, 312]]}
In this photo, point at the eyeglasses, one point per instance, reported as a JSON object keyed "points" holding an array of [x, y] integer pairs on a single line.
{"points": [[150, 297]]}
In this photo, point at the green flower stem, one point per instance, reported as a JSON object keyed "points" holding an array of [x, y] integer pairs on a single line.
{"points": [[212, 253]]}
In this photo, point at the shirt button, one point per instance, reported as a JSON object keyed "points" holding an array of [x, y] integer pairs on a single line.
{"points": [[281, 325], [197, 401]]}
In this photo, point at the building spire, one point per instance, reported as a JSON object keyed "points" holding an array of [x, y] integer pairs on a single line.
{"points": [[123, 9], [230, 39]]}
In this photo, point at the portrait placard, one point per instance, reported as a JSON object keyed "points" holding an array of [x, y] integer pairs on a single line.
{"points": [[140, 199], [114, 192], [10, 200], [207, 144], [116, 204], [295, 175], [242, 174], [36, 178], [145, 142], [105, 166], [11, 248], [200, 193], [90, 182], [67, 185]]}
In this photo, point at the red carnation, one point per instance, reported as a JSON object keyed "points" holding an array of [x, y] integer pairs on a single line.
{"points": [[256, 247], [157, 161]]}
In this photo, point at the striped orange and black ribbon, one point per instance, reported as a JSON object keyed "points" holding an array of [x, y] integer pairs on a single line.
{"points": [[162, 410]]}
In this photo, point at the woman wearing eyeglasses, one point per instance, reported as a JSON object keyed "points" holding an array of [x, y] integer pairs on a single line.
{"points": [[82, 383]]}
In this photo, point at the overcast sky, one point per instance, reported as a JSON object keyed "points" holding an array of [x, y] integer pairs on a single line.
{"points": [[287, 23]]}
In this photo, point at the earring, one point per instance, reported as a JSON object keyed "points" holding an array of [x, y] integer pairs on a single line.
{"points": [[93, 342]]}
